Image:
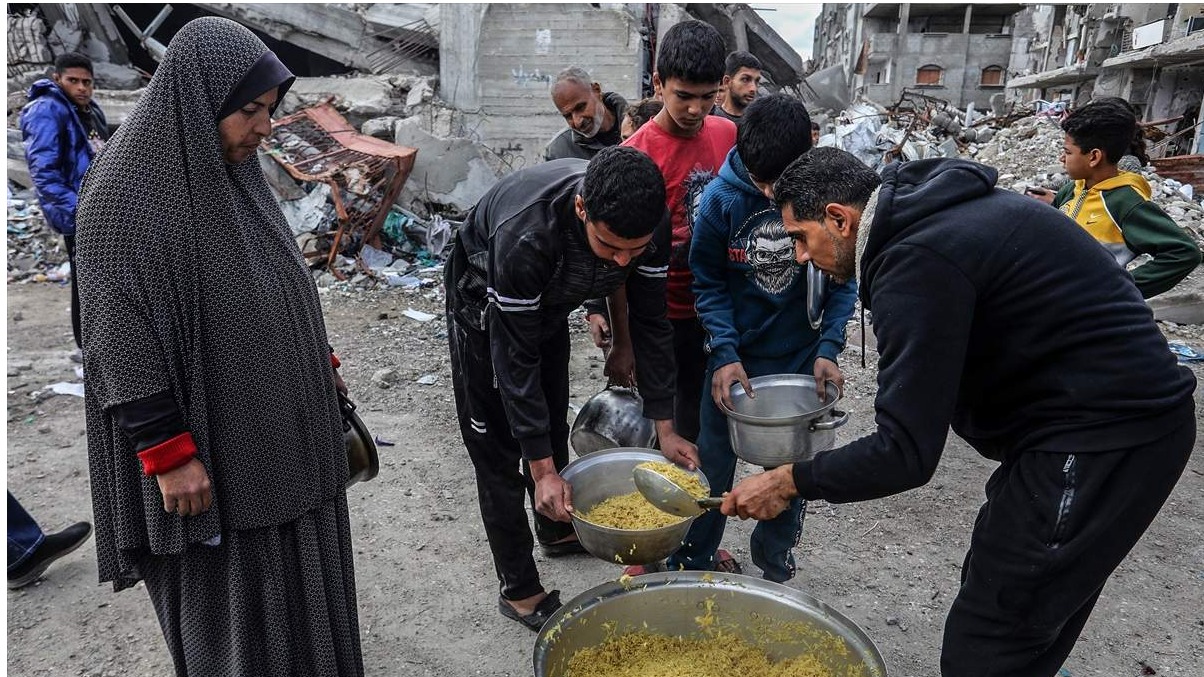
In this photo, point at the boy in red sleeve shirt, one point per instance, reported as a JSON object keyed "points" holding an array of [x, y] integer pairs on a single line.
{"points": [[689, 146]]}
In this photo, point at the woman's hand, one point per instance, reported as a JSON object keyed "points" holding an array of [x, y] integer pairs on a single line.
{"points": [[186, 490]]}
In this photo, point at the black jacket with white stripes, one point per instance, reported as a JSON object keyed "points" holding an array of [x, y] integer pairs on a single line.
{"points": [[521, 262]]}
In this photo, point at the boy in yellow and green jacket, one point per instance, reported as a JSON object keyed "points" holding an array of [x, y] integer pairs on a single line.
{"points": [[1113, 205]]}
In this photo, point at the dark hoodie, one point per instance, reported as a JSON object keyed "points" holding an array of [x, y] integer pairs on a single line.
{"points": [[997, 315]]}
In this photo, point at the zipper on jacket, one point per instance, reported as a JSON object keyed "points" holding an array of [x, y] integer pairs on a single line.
{"points": [[1078, 205], [1066, 504]]}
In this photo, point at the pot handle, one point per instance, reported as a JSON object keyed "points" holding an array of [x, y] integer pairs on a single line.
{"points": [[611, 385], [839, 418]]}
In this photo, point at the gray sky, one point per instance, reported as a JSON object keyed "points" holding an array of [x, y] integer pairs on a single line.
{"points": [[795, 22]]}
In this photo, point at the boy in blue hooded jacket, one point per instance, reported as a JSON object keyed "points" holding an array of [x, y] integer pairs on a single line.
{"points": [[63, 129], [750, 296]]}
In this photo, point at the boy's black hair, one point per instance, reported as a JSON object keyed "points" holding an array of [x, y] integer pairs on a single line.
{"points": [[644, 111], [71, 60], [1108, 124], [692, 51], [625, 190], [776, 130], [814, 125], [737, 60], [823, 176]]}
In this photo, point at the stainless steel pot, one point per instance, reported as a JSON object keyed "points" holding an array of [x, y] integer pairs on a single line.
{"points": [[786, 421], [783, 621], [609, 419], [817, 293], [607, 473]]}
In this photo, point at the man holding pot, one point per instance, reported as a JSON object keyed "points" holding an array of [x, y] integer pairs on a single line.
{"points": [[537, 245], [998, 316]]}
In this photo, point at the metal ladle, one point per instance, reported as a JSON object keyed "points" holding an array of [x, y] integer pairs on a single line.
{"points": [[668, 496]]}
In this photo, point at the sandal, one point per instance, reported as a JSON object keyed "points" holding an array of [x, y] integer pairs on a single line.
{"points": [[726, 563], [641, 569], [534, 620]]}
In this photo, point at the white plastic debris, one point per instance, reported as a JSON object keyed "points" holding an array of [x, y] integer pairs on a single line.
{"points": [[418, 315]]}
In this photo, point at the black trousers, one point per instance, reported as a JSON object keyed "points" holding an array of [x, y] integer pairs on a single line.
{"points": [[1053, 529], [69, 244], [503, 478], [689, 339]]}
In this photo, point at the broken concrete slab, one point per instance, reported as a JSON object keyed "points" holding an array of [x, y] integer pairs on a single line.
{"points": [[450, 171], [380, 127], [1180, 308], [358, 98], [115, 76], [117, 103]]}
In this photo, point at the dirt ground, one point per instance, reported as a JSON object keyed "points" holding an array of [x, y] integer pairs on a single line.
{"points": [[427, 591]]}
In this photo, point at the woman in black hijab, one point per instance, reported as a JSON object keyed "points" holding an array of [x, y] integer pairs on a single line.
{"points": [[214, 437]]}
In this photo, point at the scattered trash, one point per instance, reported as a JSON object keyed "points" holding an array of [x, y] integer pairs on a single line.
{"points": [[418, 315], [1186, 353], [428, 380], [384, 443], [63, 388], [362, 173]]}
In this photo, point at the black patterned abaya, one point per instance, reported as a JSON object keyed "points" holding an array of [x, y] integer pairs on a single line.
{"points": [[191, 285]]}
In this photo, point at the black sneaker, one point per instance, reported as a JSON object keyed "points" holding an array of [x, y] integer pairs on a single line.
{"points": [[53, 546]]}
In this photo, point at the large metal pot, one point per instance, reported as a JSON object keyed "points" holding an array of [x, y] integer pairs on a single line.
{"points": [[786, 421], [607, 473], [609, 419], [781, 620]]}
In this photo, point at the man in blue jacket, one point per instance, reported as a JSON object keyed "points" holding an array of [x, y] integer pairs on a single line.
{"points": [[63, 129], [750, 294], [999, 317]]}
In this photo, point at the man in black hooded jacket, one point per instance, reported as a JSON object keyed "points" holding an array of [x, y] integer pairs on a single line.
{"points": [[1003, 319]]}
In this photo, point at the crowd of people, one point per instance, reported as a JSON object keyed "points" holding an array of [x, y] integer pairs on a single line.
{"points": [[685, 227]]}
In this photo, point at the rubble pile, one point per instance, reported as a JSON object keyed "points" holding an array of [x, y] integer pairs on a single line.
{"points": [[35, 252], [1028, 153]]}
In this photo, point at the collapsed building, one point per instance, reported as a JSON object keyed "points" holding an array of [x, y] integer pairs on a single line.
{"points": [[461, 88], [1043, 57]]}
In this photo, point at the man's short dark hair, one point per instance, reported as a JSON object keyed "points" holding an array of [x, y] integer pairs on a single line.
{"points": [[737, 60], [625, 190], [821, 177], [1108, 124], [814, 125], [692, 51], [775, 131], [71, 60]]}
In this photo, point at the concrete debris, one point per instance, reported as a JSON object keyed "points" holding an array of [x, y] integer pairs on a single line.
{"points": [[362, 99], [116, 76], [380, 127], [1028, 153], [1024, 145], [35, 251], [451, 169]]}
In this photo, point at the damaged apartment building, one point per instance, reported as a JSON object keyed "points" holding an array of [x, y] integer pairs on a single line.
{"points": [[1001, 55], [1152, 55]]}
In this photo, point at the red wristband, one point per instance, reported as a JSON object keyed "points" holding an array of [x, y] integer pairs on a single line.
{"points": [[168, 456], [334, 361]]}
